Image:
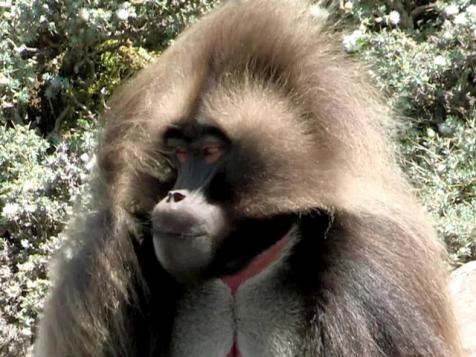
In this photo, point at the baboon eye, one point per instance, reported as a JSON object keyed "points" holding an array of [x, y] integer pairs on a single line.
{"points": [[211, 153], [181, 153]]}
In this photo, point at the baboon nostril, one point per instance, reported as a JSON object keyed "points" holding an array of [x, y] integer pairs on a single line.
{"points": [[176, 196]]}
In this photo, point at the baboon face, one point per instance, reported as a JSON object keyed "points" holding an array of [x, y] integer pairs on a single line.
{"points": [[187, 224], [200, 228]]}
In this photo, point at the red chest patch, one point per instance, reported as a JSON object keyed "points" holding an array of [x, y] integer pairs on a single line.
{"points": [[234, 351], [257, 265]]}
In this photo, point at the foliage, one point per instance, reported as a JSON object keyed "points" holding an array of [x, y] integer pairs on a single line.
{"points": [[37, 192], [444, 170], [423, 56], [428, 72], [53, 51]]}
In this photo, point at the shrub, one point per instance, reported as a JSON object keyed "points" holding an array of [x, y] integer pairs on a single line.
{"points": [[422, 55], [444, 170], [428, 71], [38, 190], [50, 51]]}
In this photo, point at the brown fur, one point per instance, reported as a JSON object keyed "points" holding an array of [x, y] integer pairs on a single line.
{"points": [[271, 77]]}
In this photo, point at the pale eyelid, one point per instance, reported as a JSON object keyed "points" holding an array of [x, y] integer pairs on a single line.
{"points": [[211, 149], [209, 141]]}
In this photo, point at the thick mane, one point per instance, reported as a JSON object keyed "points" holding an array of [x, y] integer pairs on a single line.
{"points": [[279, 44]]}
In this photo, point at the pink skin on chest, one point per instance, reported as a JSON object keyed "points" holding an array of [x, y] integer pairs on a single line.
{"points": [[257, 265]]}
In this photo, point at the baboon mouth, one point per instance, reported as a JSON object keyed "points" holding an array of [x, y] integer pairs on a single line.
{"points": [[179, 235]]}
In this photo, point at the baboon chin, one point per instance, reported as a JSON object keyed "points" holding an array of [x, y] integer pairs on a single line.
{"points": [[249, 204]]}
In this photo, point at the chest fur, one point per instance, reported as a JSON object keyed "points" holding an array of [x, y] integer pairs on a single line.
{"points": [[264, 318]]}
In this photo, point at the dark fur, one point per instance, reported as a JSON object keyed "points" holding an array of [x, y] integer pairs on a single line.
{"points": [[311, 140]]}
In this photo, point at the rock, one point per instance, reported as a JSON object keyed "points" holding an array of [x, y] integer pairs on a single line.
{"points": [[463, 293]]}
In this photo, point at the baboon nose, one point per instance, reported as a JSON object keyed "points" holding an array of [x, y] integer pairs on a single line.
{"points": [[175, 196]]}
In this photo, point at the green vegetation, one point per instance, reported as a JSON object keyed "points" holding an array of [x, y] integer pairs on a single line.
{"points": [[423, 58]]}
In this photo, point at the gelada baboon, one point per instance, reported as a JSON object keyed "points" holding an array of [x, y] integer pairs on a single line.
{"points": [[250, 205]]}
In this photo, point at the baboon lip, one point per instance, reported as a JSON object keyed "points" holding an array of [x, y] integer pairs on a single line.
{"points": [[179, 235]]}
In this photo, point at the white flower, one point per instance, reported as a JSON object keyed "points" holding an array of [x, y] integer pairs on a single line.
{"points": [[28, 266], [26, 331], [30, 208], [5, 4], [394, 17], [447, 35], [348, 5], [29, 186], [471, 10], [91, 163], [452, 10], [461, 19], [122, 14], [318, 12], [439, 60], [84, 14], [353, 42], [3, 80], [10, 209], [84, 158]]}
